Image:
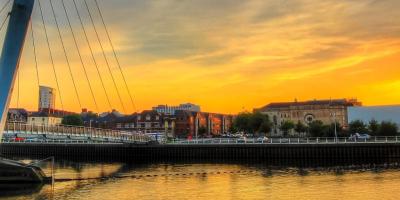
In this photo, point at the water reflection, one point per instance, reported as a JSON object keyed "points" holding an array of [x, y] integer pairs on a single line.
{"points": [[9, 190], [210, 181]]}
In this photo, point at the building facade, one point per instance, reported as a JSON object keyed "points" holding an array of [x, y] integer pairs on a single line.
{"points": [[47, 117], [183, 124], [202, 124], [170, 110], [327, 111], [47, 98]]}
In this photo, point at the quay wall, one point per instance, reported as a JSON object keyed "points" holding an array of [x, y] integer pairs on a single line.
{"points": [[282, 154]]}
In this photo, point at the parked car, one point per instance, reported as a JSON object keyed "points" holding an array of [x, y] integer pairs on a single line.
{"points": [[359, 136], [242, 140], [262, 139]]}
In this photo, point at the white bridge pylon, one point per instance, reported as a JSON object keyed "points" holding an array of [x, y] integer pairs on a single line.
{"points": [[20, 17]]}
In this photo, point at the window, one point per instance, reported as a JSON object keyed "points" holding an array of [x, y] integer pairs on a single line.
{"points": [[148, 117], [157, 117]]}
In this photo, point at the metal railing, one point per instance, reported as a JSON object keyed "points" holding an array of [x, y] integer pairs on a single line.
{"points": [[274, 141], [57, 132], [58, 141]]}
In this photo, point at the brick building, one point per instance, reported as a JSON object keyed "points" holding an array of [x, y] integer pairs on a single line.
{"points": [[182, 124], [305, 112]]}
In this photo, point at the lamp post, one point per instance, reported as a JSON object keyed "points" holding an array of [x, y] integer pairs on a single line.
{"points": [[334, 118]]}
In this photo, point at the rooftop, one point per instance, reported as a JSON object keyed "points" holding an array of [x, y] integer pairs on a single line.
{"points": [[329, 102]]}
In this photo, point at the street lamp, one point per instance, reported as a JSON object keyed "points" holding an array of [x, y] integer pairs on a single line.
{"points": [[334, 118]]}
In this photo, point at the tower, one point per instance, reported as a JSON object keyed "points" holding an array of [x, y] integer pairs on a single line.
{"points": [[47, 98], [10, 56]]}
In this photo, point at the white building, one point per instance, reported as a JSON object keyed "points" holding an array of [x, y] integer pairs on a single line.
{"points": [[170, 110], [47, 97], [38, 120], [378, 113]]}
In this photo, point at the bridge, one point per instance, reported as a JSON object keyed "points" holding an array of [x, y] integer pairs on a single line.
{"points": [[19, 15], [62, 134]]}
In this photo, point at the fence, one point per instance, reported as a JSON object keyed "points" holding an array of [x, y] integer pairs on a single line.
{"points": [[271, 141], [73, 131]]}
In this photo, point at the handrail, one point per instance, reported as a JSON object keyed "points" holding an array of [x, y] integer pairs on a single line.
{"points": [[72, 131], [274, 141]]}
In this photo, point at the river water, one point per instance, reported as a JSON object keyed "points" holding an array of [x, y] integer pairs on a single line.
{"points": [[211, 181]]}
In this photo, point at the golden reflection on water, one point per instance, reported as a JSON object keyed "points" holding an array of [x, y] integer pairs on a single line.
{"points": [[207, 181]]}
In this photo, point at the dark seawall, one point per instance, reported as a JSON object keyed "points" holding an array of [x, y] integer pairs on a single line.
{"points": [[313, 155]]}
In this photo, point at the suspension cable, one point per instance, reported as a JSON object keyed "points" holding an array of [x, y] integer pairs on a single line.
{"points": [[80, 56], [115, 54], [4, 6], [92, 54], [18, 72], [35, 55], [4, 22], [65, 54], [105, 57], [51, 55]]}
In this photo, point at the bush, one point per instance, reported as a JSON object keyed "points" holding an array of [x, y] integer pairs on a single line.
{"points": [[286, 127], [316, 128], [358, 126], [72, 120], [388, 129]]}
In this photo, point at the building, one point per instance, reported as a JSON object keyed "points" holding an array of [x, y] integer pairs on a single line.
{"points": [[170, 110], [183, 124], [47, 98], [148, 121], [202, 124], [47, 117], [17, 115], [378, 113], [326, 111]]}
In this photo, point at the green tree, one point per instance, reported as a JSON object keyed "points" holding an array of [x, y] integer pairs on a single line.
{"points": [[259, 123], [255, 121], [266, 127], [286, 127], [252, 123], [374, 127], [329, 130], [388, 129], [72, 120], [300, 127], [242, 122], [316, 128], [357, 126]]}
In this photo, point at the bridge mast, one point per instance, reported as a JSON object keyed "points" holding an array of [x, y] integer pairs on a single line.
{"points": [[12, 49]]}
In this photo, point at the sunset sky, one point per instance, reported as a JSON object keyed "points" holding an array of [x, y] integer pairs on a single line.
{"points": [[226, 55]]}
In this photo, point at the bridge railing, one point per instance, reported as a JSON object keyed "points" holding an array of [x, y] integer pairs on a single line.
{"points": [[74, 131], [311, 140]]}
